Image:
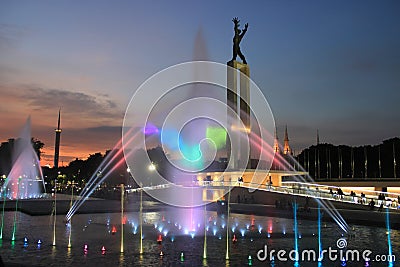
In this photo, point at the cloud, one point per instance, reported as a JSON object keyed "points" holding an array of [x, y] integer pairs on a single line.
{"points": [[89, 122], [78, 101], [105, 129], [80, 104]]}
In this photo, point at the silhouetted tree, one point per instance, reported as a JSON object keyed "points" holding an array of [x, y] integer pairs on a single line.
{"points": [[37, 146], [347, 162]]}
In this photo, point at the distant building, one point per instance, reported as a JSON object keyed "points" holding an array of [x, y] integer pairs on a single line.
{"points": [[286, 147], [287, 150], [57, 142]]}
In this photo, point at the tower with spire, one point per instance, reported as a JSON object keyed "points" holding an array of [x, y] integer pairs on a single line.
{"points": [[57, 142], [286, 148], [276, 142]]}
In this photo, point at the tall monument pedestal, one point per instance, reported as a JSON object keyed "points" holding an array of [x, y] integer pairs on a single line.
{"points": [[238, 110]]}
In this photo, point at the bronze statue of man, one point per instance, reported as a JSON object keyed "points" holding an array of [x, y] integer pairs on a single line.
{"points": [[237, 39]]}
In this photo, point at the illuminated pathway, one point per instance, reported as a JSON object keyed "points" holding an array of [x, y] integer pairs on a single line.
{"points": [[312, 190]]}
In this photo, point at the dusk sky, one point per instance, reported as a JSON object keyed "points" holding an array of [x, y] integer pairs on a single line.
{"points": [[327, 65]]}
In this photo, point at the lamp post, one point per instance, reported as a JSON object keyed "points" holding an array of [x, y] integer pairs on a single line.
{"points": [[141, 218], [70, 220], [227, 224], [151, 168], [122, 217], [55, 211]]}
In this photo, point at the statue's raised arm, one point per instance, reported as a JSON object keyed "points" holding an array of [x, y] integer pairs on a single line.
{"points": [[237, 39]]}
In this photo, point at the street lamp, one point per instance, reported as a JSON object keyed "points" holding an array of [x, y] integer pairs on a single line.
{"points": [[152, 167]]}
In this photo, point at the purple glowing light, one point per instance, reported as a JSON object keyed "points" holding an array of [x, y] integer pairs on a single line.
{"points": [[150, 129]]}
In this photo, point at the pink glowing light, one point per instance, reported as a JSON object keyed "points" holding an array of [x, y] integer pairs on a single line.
{"points": [[159, 239], [234, 239]]}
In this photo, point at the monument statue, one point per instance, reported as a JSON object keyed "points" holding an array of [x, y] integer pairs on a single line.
{"points": [[237, 39]]}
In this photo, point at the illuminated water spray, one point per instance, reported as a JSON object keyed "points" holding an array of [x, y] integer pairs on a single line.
{"points": [[25, 169], [319, 235], [122, 218], [326, 205], [70, 221], [55, 212], [227, 227], [296, 235], [205, 233], [141, 221], [110, 163], [2, 215], [15, 213], [388, 230]]}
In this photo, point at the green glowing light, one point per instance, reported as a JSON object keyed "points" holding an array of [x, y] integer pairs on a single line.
{"points": [[191, 153], [217, 135], [250, 260], [2, 216], [15, 213], [192, 156]]}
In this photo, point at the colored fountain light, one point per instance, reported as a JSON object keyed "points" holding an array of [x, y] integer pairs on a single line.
{"points": [[249, 260], [159, 239], [25, 179], [150, 129], [2, 216], [234, 239], [217, 135], [253, 222], [343, 262], [242, 231]]}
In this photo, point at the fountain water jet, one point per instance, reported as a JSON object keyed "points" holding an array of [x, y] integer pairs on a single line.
{"points": [[122, 218], [319, 234], [2, 216], [15, 213], [205, 233], [70, 221], [388, 230], [141, 221], [55, 213], [296, 236], [25, 167], [326, 205], [96, 180]]}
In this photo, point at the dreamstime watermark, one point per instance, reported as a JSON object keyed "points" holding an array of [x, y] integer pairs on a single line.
{"points": [[331, 254]]}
